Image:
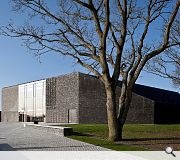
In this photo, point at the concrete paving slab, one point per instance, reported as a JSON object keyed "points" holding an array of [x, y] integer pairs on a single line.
{"points": [[14, 136]]}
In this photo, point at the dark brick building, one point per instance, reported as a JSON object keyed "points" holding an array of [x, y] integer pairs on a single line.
{"points": [[81, 98], [166, 103]]}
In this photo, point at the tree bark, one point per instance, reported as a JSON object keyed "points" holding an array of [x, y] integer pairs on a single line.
{"points": [[115, 132], [124, 104]]}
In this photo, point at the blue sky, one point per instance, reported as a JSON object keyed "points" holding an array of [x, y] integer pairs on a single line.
{"points": [[18, 65]]}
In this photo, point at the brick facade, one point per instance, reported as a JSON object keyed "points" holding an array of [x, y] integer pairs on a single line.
{"points": [[66, 99], [92, 100], [77, 98], [10, 104], [141, 110], [92, 103]]}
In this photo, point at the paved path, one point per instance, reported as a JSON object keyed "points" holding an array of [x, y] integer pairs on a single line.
{"points": [[13, 136]]}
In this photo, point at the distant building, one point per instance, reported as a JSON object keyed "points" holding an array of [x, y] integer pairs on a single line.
{"points": [[81, 98]]}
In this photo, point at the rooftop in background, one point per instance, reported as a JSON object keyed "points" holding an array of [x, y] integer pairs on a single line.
{"points": [[40, 79], [157, 94]]}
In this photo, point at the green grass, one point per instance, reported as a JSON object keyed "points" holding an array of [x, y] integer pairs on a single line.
{"points": [[149, 131], [151, 127], [97, 134], [106, 143]]}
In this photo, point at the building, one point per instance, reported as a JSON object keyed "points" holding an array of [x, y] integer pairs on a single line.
{"points": [[81, 98], [166, 103]]}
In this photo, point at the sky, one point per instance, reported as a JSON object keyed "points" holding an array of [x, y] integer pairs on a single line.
{"points": [[18, 65]]}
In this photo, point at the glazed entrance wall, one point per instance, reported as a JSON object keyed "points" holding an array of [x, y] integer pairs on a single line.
{"points": [[32, 99]]}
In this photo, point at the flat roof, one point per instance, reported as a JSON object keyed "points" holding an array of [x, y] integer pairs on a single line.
{"points": [[153, 93], [40, 79]]}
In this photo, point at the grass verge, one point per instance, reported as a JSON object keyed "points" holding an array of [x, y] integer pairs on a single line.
{"points": [[107, 144], [135, 137]]}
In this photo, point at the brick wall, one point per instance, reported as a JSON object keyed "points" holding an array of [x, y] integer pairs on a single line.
{"points": [[92, 100], [141, 110], [92, 103], [77, 98], [10, 104], [65, 99]]}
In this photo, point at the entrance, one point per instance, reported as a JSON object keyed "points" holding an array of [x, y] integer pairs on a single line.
{"points": [[72, 116]]}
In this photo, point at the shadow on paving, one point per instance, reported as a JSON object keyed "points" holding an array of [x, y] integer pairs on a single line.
{"points": [[44, 148], [6, 147]]}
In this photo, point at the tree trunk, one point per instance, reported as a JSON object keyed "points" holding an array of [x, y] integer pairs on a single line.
{"points": [[115, 132], [124, 104]]}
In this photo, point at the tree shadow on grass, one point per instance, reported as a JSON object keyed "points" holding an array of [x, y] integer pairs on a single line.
{"points": [[149, 139], [82, 134]]}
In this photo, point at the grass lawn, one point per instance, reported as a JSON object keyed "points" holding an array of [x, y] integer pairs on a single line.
{"points": [[135, 137]]}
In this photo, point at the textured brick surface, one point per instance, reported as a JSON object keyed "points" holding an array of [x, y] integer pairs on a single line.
{"points": [[78, 98], [92, 103], [13, 136], [92, 100], [141, 110], [67, 91], [10, 104]]}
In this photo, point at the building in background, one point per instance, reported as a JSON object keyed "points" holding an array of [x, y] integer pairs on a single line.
{"points": [[81, 98], [24, 102]]}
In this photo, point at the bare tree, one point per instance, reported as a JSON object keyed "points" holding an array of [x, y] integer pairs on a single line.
{"points": [[109, 38], [167, 65]]}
